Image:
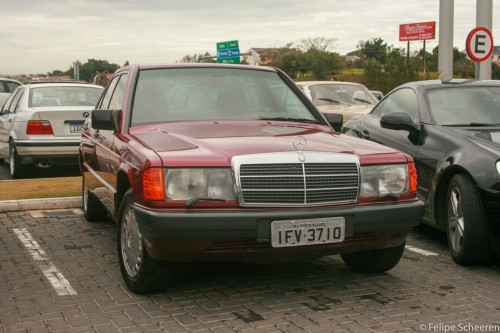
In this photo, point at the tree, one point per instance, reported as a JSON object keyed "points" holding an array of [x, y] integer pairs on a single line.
{"points": [[374, 48], [207, 57], [56, 73], [90, 69], [318, 43]]}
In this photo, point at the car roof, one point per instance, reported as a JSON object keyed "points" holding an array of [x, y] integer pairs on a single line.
{"points": [[432, 84], [10, 80], [62, 84], [312, 83], [197, 65]]}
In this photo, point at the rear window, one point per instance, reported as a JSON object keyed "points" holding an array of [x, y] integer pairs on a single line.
{"points": [[189, 94], [64, 96]]}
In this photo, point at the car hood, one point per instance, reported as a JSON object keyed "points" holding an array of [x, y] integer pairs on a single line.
{"points": [[488, 138], [215, 143]]}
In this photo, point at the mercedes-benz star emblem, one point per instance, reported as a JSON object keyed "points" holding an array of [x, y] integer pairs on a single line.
{"points": [[299, 143]]}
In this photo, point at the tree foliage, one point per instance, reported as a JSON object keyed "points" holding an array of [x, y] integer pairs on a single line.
{"points": [[92, 67]]}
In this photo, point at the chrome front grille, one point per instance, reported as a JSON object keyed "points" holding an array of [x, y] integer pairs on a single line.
{"points": [[283, 180]]}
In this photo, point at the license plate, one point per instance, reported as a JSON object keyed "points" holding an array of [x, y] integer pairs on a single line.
{"points": [[75, 127], [307, 232]]}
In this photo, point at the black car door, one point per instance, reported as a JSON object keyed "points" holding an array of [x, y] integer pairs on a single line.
{"points": [[402, 100]]}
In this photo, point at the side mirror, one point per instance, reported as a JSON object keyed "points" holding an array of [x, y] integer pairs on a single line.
{"points": [[336, 120], [398, 121], [104, 119]]}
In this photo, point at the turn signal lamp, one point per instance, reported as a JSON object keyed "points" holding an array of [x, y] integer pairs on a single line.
{"points": [[413, 177], [153, 184]]}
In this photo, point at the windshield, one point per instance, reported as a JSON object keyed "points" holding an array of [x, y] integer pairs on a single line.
{"points": [[64, 96], [468, 106], [188, 94], [337, 93]]}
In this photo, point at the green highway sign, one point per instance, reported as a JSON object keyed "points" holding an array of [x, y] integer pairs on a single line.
{"points": [[228, 52]]}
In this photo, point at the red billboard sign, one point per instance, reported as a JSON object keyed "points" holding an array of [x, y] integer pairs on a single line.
{"points": [[417, 31]]}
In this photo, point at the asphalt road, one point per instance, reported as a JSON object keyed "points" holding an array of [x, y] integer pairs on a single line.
{"points": [[59, 273]]}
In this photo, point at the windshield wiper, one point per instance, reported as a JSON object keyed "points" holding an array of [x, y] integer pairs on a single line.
{"points": [[194, 200], [332, 100], [362, 100], [300, 120]]}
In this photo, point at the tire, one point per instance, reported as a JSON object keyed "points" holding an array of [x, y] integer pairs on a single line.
{"points": [[93, 210], [141, 273], [16, 170], [374, 261], [468, 234]]}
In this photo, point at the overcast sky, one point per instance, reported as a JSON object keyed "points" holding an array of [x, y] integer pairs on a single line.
{"points": [[45, 35]]}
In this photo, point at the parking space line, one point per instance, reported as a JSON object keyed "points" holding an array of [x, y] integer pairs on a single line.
{"points": [[420, 251], [53, 275]]}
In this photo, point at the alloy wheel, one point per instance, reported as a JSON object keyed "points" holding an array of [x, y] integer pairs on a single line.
{"points": [[456, 220]]}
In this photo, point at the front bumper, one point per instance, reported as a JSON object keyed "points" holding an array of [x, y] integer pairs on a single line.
{"points": [[187, 235]]}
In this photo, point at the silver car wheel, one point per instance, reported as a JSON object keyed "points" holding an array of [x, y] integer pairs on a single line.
{"points": [[131, 243], [456, 220]]}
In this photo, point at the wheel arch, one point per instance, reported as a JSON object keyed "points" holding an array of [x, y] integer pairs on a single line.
{"points": [[123, 184]]}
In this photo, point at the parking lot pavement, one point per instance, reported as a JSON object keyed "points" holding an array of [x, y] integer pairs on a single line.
{"points": [[59, 273]]}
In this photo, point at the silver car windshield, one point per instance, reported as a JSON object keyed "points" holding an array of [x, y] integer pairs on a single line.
{"points": [[465, 106], [189, 94]]}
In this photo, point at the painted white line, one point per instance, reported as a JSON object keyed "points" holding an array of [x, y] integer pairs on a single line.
{"points": [[420, 251], [56, 279]]}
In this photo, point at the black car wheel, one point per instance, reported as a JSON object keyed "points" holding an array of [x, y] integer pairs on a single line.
{"points": [[93, 210], [374, 261], [16, 170], [141, 273], [469, 237]]}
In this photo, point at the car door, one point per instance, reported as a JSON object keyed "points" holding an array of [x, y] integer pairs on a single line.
{"points": [[7, 121], [97, 147], [402, 100]]}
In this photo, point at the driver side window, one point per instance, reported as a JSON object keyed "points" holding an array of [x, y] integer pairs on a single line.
{"points": [[403, 100]]}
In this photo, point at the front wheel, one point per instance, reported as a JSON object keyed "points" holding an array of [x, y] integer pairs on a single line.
{"points": [[374, 261], [141, 273], [469, 237]]}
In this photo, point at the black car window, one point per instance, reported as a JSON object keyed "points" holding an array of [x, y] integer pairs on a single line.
{"points": [[15, 102], [11, 85], [104, 104], [7, 106], [403, 100], [117, 97], [462, 105]]}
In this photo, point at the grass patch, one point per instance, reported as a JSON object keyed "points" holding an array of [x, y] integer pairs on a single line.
{"points": [[40, 188]]}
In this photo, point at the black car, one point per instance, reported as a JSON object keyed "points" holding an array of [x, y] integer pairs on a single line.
{"points": [[452, 130]]}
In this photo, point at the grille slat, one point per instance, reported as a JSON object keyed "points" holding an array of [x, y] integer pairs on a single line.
{"points": [[298, 183]]}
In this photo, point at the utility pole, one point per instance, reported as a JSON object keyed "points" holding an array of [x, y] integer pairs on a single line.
{"points": [[484, 15], [445, 57]]}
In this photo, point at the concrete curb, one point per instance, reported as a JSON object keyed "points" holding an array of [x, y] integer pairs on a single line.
{"points": [[9, 206]]}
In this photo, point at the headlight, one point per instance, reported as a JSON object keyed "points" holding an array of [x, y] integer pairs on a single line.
{"points": [[498, 167], [384, 179], [186, 184]]}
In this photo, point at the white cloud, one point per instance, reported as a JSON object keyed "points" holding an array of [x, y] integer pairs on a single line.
{"points": [[41, 36]]}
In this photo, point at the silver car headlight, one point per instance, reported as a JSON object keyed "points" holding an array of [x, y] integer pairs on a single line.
{"points": [[384, 179], [186, 184]]}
